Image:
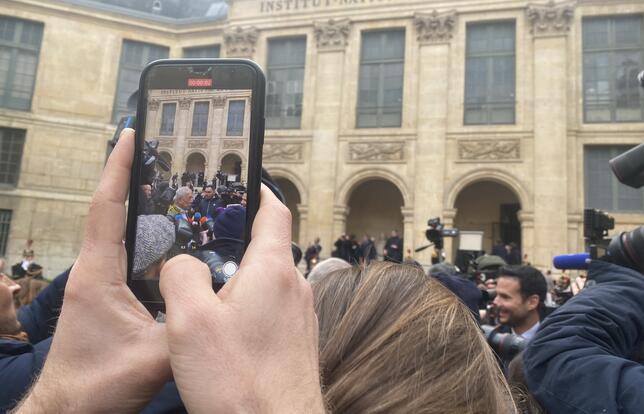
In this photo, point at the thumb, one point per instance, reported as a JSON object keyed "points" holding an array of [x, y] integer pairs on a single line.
{"points": [[186, 287]]}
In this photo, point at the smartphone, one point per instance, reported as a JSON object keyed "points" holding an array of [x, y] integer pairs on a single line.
{"points": [[196, 175]]}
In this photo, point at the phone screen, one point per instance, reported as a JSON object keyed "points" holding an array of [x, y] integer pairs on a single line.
{"points": [[194, 173]]}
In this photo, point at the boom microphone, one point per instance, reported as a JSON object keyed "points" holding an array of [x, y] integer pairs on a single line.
{"points": [[575, 261]]}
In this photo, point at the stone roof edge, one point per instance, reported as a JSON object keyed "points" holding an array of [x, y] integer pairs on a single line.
{"points": [[141, 15]]}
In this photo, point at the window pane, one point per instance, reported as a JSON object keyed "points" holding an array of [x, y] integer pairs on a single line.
{"points": [[602, 189], [5, 225], [380, 88], [134, 57], [212, 51], [285, 69], [613, 55], [235, 125], [200, 119], [19, 49], [12, 142], [490, 74], [167, 118]]}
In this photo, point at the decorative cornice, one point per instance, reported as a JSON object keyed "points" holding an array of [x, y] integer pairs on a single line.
{"points": [[184, 103], [153, 104], [435, 27], [332, 34], [550, 19], [240, 42], [376, 152], [218, 101], [282, 152]]}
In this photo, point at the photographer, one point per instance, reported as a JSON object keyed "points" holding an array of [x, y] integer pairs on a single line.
{"points": [[585, 358], [520, 293]]}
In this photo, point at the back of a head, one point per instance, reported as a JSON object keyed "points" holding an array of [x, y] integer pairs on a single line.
{"points": [[394, 340], [325, 267]]}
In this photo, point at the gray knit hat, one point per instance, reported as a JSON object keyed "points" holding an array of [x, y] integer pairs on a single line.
{"points": [[154, 237]]}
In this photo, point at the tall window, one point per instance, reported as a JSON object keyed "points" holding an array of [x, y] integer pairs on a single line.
{"points": [[167, 118], [12, 142], [211, 51], [5, 223], [602, 189], [490, 74], [285, 82], [134, 57], [380, 90], [19, 49], [235, 124], [200, 119], [613, 55]]}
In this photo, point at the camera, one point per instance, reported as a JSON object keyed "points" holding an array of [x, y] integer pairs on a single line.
{"points": [[436, 233], [506, 345]]}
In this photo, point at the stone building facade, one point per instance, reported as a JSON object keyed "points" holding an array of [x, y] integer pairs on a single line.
{"points": [[521, 168]]}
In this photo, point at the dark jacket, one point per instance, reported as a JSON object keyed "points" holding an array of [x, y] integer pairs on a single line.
{"points": [[20, 362], [207, 207], [584, 357]]}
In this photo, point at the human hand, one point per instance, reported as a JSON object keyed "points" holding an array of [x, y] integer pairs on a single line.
{"points": [[108, 354], [253, 347]]}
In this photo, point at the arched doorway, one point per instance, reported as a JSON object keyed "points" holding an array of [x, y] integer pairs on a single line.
{"points": [[231, 164], [490, 207], [167, 159], [293, 198], [375, 209], [196, 167]]}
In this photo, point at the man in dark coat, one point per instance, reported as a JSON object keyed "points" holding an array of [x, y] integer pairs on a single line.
{"points": [[586, 356], [394, 248], [368, 249], [208, 203]]}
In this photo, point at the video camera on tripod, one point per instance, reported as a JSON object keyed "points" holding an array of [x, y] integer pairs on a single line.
{"points": [[436, 233]]}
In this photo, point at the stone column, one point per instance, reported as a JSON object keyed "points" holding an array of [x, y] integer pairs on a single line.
{"points": [[434, 33], [527, 234], [182, 130], [152, 121], [303, 209], [215, 146], [550, 25], [408, 228], [328, 220]]}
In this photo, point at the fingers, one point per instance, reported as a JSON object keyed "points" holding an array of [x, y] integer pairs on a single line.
{"points": [[186, 287], [106, 220], [271, 235]]}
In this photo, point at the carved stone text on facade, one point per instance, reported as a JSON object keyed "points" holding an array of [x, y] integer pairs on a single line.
{"points": [[277, 6], [489, 150]]}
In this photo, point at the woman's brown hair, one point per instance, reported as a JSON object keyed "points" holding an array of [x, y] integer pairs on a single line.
{"points": [[395, 340]]}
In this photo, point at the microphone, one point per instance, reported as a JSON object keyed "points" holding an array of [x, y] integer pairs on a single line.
{"points": [[183, 229], [575, 261], [197, 216]]}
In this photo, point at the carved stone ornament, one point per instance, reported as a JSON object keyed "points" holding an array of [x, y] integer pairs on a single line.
{"points": [[184, 103], [332, 34], [376, 152], [435, 27], [489, 150], [240, 42], [198, 143], [218, 101], [550, 19], [153, 104], [233, 144], [282, 152], [166, 143]]}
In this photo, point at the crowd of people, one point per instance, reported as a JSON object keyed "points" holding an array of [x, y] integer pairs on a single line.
{"points": [[353, 338], [207, 223]]}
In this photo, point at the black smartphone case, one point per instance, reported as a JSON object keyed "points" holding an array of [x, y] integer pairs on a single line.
{"points": [[147, 291]]}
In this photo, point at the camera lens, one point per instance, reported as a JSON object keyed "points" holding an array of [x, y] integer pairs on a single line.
{"points": [[623, 249]]}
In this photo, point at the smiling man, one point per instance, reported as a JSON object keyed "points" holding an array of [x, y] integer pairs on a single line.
{"points": [[520, 293]]}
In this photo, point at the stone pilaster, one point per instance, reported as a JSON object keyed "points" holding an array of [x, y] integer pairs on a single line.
{"points": [[183, 130], [549, 25], [303, 210], [527, 233], [326, 218], [240, 41], [434, 33]]}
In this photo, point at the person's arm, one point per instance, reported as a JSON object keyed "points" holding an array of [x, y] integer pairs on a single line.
{"points": [[39, 318], [580, 359]]}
